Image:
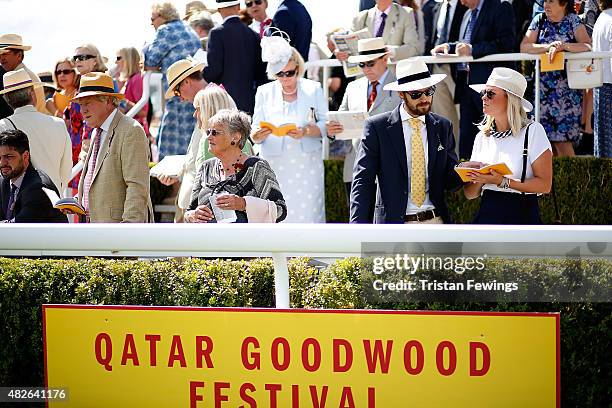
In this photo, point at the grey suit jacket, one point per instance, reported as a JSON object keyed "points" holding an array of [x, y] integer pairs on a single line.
{"points": [[356, 99], [400, 33], [120, 190]]}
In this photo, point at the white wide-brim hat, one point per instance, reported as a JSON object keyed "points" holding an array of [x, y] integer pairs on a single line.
{"points": [[19, 79], [412, 75], [510, 81], [369, 49]]}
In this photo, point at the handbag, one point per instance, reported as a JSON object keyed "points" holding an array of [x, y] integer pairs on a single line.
{"points": [[584, 73]]}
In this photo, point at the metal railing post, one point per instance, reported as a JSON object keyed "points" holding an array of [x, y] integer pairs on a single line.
{"points": [[326, 73], [537, 90], [281, 280]]}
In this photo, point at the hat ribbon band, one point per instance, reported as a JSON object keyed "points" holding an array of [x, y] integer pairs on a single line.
{"points": [[370, 52], [96, 88], [414, 77], [17, 84], [171, 84]]}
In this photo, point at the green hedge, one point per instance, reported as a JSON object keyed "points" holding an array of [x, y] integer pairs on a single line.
{"points": [[586, 328], [583, 187]]}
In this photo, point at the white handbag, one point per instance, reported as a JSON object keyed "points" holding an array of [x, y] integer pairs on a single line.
{"points": [[584, 73]]}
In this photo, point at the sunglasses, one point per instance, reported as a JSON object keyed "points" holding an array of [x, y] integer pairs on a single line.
{"points": [[249, 4], [64, 71], [118, 59], [287, 74], [368, 64], [213, 132], [488, 93], [414, 95], [83, 57]]}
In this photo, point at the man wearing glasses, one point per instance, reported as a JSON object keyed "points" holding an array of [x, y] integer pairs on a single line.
{"points": [[366, 94], [257, 10], [409, 153], [234, 57]]}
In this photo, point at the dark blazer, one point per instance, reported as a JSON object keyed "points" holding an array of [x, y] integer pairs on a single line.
{"points": [[5, 109], [293, 18], [234, 60], [493, 34], [366, 4], [31, 203], [382, 157], [453, 32]]}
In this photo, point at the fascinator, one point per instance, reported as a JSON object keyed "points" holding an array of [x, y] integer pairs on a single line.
{"points": [[275, 50]]}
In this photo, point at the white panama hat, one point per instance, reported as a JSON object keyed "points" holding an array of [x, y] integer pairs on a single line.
{"points": [[412, 75], [510, 81], [369, 49]]}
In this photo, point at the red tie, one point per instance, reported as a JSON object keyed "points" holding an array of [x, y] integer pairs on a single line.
{"points": [[262, 27], [373, 93], [91, 167]]}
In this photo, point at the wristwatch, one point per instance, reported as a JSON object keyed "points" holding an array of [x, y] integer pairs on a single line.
{"points": [[505, 183]]}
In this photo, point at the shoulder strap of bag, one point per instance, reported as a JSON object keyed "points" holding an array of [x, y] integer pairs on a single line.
{"points": [[12, 123], [525, 153]]}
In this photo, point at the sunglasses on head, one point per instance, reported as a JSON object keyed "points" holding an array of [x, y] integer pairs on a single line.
{"points": [[213, 132], [488, 93], [64, 71], [417, 94], [368, 64], [250, 3], [288, 74], [83, 57]]}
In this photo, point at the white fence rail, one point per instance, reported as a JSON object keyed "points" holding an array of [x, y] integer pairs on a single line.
{"points": [[278, 241]]}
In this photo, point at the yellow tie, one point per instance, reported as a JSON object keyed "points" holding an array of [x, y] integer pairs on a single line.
{"points": [[417, 176]]}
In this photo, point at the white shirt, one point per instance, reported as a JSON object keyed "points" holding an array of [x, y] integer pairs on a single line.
{"points": [[412, 208], [50, 145], [443, 20], [378, 18], [509, 150], [602, 41], [105, 127]]}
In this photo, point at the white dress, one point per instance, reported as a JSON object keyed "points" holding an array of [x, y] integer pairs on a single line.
{"points": [[300, 175]]}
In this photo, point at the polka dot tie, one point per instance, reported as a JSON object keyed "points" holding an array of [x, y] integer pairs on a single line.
{"points": [[417, 175]]}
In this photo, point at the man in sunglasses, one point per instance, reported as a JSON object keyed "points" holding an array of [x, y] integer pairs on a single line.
{"points": [[234, 57], [366, 94], [408, 155], [257, 10], [12, 53]]}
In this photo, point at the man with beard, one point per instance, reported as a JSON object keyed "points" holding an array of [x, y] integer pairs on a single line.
{"points": [[22, 196], [410, 152]]}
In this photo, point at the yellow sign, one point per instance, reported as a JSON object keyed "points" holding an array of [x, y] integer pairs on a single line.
{"points": [[114, 356]]}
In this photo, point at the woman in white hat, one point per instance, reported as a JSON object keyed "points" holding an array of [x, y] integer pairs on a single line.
{"points": [[508, 136], [296, 155]]}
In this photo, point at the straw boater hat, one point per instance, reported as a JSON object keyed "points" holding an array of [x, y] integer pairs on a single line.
{"points": [[180, 70], [412, 75], [14, 80], [369, 49], [12, 41], [510, 81], [47, 79], [97, 83]]}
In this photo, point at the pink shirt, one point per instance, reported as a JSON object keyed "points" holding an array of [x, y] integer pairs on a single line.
{"points": [[133, 93]]}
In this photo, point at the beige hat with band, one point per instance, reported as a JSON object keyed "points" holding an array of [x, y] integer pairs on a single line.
{"points": [[19, 79], [510, 81], [180, 70], [12, 41], [97, 83]]}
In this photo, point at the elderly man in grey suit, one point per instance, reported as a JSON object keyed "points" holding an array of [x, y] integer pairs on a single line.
{"points": [[366, 94]]}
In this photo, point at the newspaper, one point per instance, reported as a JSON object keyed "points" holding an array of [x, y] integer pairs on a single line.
{"points": [[351, 121], [347, 42], [171, 166]]}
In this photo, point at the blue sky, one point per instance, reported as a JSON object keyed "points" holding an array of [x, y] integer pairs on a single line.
{"points": [[55, 28]]}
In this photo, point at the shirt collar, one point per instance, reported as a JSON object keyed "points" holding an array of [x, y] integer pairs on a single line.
{"points": [[378, 12], [106, 125], [17, 182], [27, 108], [404, 115], [382, 78], [479, 6]]}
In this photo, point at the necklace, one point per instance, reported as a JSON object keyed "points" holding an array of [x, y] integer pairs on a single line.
{"points": [[289, 93], [236, 165]]}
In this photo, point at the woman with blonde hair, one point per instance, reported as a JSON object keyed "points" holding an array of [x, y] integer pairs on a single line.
{"points": [[130, 76], [66, 82], [508, 136], [87, 58]]}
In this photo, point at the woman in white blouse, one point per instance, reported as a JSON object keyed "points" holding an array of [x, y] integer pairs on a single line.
{"points": [[508, 136], [296, 158]]}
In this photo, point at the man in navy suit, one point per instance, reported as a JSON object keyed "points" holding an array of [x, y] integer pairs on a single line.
{"points": [[234, 57], [293, 18], [487, 28], [21, 186], [410, 152]]}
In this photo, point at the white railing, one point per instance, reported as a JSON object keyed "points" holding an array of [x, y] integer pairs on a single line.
{"points": [[144, 99], [327, 64], [279, 241]]}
